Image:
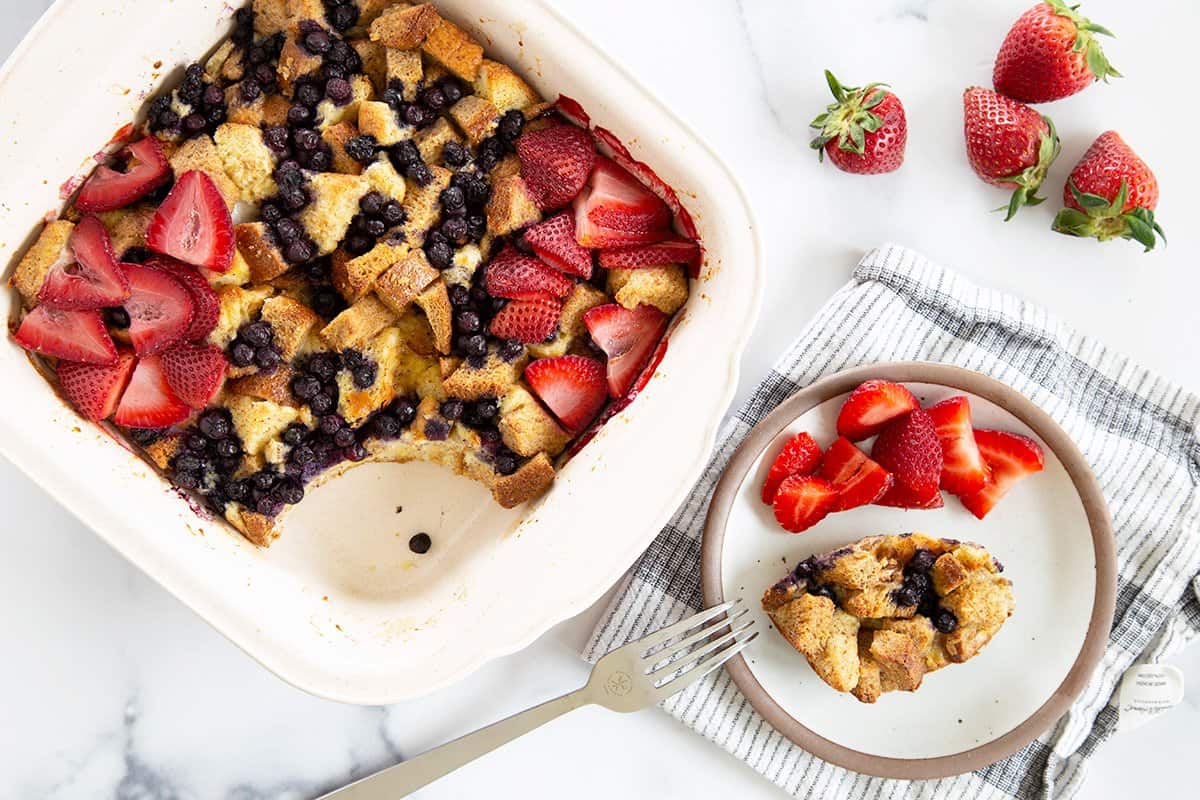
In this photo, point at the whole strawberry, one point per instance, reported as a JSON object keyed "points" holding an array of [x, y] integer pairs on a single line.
{"points": [[1111, 193], [1008, 144], [864, 132], [1050, 52]]}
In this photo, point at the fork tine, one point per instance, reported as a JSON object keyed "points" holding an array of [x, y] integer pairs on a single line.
{"points": [[696, 671], [681, 655], [673, 648], [683, 626]]}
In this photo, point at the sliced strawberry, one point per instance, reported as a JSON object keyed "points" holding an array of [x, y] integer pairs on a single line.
{"points": [[194, 372], [871, 406], [555, 163], [106, 189], [901, 497], [572, 387], [69, 335], [193, 224], [93, 279], [160, 309], [1010, 457], [675, 250], [148, 401], [909, 449], [527, 321], [627, 337], [554, 242], [95, 389], [205, 301], [858, 479], [514, 276], [616, 210], [802, 501], [799, 456], [963, 468]]}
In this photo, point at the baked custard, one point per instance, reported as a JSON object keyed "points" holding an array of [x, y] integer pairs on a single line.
{"points": [[345, 236]]}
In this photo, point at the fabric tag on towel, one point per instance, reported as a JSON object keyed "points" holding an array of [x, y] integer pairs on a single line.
{"points": [[1147, 690]]}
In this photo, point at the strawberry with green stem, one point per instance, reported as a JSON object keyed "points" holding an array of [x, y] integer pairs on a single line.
{"points": [[1051, 52], [864, 131], [1111, 193], [1008, 144]]}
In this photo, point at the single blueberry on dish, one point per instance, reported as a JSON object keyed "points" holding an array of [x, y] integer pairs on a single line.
{"points": [[420, 543], [945, 621]]}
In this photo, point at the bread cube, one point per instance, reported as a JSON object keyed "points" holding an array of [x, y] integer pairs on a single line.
{"points": [[406, 67], [582, 298], [383, 178], [374, 60], [357, 324], [502, 87], [403, 281], [274, 386], [354, 277], [493, 379], [405, 28], [450, 46], [530, 481], [336, 137], [201, 153], [355, 404], [527, 428], [664, 287], [423, 206], [334, 203], [378, 120], [476, 117], [294, 324], [511, 207], [257, 244], [49, 250], [247, 160], [431, 140], [242, 112], [127, 226], [435, 302], [238, 306], [295, 62]]}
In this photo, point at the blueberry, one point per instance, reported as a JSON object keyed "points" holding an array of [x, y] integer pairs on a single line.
{"points": [[270, 212], [215, 424], [327, 302], [416, 115], [335, 72], [249, 91], [235, 490], [455, 229], [506, 465], [263, 480], [406, 153], [419, 172], [307, 139], [213, 96], [406, 411], [510, 125], [393, 96], [362, 148], [264, 74], [305, 387], [241, 354], [325, 366], [355, 452], [344, 438], [393, 213], [117, 317], [268, 506], [922, 560], [187, 462], [437, 430], [299, 114], [459, 295], [440, 254], [258, 334], [511, 350], [452, 89], [434, 99], [452, 409], [257, 55], [294, 199], [318, 42], [487, 409], [287, 230], [343, 17], [455, 154], [331, 424], [372, 204], [420, 543], [302, 454], [364, 376], [358, 243], [338, 90], [467, 322], [196, 442], [917, 582], [906, 596], [375, 228], [187, 480], [945, 621], [824, 590], [299, 251], [321, 404], [320, 160], [227, 448], [386, 426], [194, 123]]}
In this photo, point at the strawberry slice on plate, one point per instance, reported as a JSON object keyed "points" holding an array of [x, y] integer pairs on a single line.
{"points": [[858, 479], [802, 501], [572, 387], [107, 189], [205, 301], [963, 468], [554, 242], [95, 389], [148, 401], [195, 372], [627, 337], [93, 279], [1010, 457], [555, 163], [69, 335], [871, 406], [527, 321], [673, 250], [616, 209], [193, 224], [909, 449], [514, 276], [799, 456], [160, 309]]}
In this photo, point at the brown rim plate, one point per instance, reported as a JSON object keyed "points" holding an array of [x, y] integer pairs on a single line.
{"points": [[1094, 508]]}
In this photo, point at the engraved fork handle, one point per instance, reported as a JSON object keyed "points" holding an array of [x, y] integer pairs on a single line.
{"points": [[408, 776]]}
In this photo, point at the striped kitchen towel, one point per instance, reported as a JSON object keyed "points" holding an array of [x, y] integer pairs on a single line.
{"points": [[1139, 433]]}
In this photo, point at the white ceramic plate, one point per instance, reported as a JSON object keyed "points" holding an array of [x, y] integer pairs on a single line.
{"points": [[1048, 532], [340, 606]]}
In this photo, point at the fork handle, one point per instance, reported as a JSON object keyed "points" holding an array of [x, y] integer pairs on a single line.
{"points": [[408, 776]]}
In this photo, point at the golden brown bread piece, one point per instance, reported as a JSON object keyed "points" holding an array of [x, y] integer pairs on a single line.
{"points": [[665, 287], [435, 302], [49, 249], [336, 137], [405, 28], [402, 282], [200, 153], [502, 87], [531, 480], [358, 323], [878, 615], [450, 46], [511, 206], [407, 67], [257, 245], [354, 277], [476, 117]]}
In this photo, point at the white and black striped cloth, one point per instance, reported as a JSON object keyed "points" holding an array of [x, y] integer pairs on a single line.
{"points": [[1138, 431]]}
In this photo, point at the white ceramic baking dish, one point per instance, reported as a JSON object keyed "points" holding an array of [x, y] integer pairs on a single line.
{"points": [[339, 606]]}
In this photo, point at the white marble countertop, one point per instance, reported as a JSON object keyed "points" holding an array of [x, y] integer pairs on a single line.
{"points": [[112, 688]]}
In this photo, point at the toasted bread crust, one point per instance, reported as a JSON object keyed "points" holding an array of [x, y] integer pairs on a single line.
{"points": [[531, 480]]}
